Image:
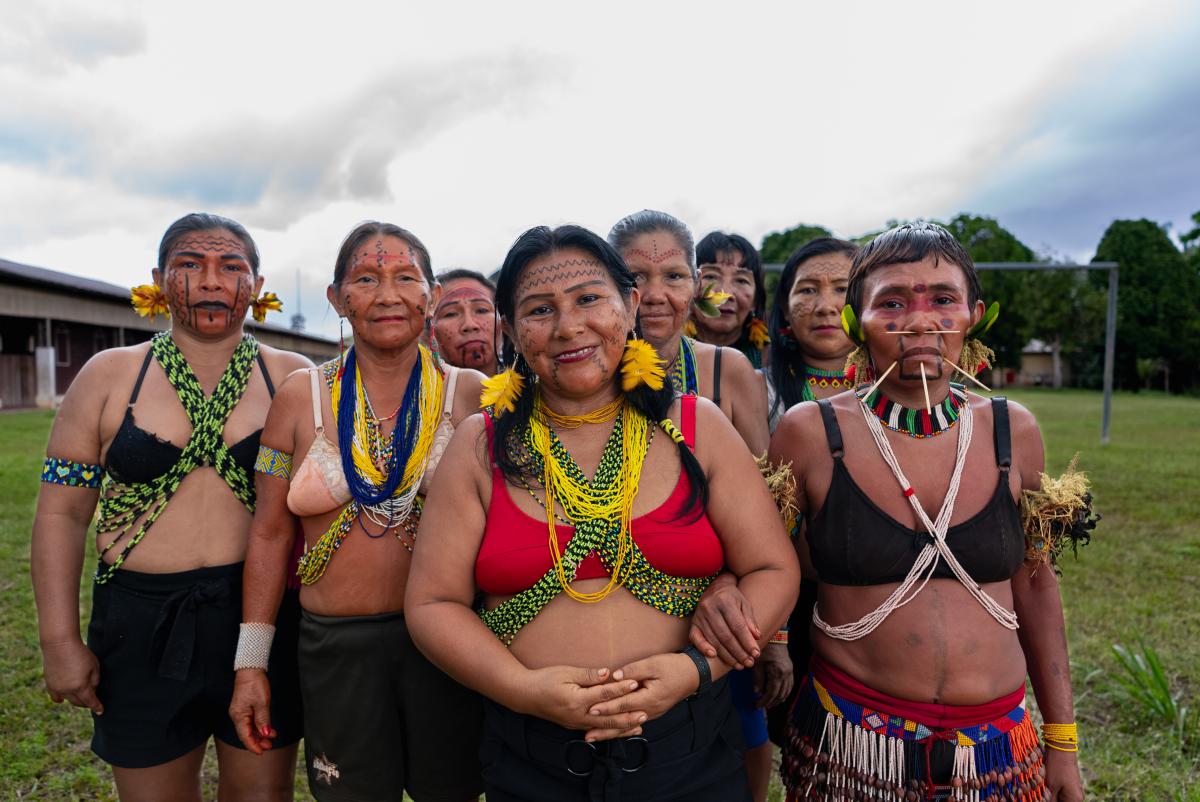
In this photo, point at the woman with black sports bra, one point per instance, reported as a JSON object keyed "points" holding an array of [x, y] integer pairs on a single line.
{"points": [[164, 435], [928, 620]]}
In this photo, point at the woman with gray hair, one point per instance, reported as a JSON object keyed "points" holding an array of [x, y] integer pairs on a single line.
{"points": [[659, 251]]}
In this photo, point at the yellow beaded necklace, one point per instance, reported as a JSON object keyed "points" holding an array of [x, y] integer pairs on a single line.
{"points": [[581, 500]]}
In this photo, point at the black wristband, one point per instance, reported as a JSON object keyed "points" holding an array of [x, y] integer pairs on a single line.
{"points": [[701, 666]]}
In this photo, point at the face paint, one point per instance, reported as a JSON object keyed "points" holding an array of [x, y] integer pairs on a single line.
{"points": [[208, 281]]}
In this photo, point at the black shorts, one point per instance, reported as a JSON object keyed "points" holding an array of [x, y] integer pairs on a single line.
{"points": [[380, 718], [166, 644], [693, 752]]}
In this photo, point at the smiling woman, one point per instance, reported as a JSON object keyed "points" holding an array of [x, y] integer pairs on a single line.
{"points": [[379, 719], [164, 436]]}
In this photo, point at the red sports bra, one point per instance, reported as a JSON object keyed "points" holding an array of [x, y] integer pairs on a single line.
{"points": [[514, 554]]}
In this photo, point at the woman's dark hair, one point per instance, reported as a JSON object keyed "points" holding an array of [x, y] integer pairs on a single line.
{"points": [[787, 362], [910, 242], [647, 221], [203, 221], [709, 251], [460, 273], [654, 404], [374, 228]]}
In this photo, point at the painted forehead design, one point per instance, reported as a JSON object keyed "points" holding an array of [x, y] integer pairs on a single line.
{"points": [[654, 256], [819, 267], [562, 270], [209, 241], [464, 294]]}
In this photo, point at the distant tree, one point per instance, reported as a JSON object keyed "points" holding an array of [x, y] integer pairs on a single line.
{"points": [[988, 241], [779, 245], [1067, 312], [1158, 304]]}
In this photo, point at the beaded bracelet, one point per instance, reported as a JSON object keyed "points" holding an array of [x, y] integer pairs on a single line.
{"points": [[780, 637], [1066, 734], [254, 646], [56, 471]]}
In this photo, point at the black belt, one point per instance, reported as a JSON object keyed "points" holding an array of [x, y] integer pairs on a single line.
{"points": [[174, 636]]}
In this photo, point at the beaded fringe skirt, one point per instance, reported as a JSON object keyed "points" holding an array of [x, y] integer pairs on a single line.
{"points": [[839, 750]]}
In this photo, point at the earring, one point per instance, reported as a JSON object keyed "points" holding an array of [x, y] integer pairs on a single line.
{"points": [[976, 356], [858, 366], [641, 364], [500, 392], [149, 301], [267, 302], [341, 347], [431, 337]]}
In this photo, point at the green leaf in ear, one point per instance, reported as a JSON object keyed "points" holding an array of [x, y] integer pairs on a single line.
{"points": [[985, 322], [850, 324]]}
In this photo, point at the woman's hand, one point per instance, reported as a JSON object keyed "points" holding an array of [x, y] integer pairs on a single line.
{"points": [[250, 709], [72, 673], [773, 677], [1062, 776], [723, 624], [568, 695], [661, 681]]}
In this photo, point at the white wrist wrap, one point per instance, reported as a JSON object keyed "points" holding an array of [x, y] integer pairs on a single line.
{"points": [[254, 646]]}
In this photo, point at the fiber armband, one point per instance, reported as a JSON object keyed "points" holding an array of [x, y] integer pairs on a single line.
{"points": [[254, 646]]}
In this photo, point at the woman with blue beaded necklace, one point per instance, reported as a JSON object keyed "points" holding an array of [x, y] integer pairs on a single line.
{"points": [[172, 427], [588, 584], [365, 434]]}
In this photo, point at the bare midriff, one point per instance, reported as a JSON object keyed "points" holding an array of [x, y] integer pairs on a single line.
{"points": [[366, 576], [940, 648]]}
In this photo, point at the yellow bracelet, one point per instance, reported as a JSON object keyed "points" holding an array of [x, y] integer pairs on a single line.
{"points": [[1066, 734]]}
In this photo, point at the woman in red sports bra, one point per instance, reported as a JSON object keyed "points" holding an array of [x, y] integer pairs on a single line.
{"points": [[928, 620], [579, 642]]}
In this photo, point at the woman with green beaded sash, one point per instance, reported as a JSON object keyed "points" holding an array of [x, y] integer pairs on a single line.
{"points": [[164, 435], [930, 613], [365, 435], [587, 584]]}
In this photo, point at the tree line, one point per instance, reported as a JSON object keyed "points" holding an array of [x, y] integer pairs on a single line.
{"points": [[1158, 302]]}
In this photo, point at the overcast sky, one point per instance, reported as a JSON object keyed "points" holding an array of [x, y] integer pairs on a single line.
{"points": [[468, 124]]}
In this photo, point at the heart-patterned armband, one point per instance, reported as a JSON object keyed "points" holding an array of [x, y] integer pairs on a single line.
{"points": [[68, 472]]}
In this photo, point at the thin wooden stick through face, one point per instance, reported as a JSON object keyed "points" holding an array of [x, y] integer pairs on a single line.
{"points": [[925, 387], [968, 375], [879, 381]]}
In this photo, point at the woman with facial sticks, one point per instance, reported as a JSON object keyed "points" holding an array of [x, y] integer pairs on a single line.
{"points": [[588, 698], [928, 618], [164, 435], [379, 718]]}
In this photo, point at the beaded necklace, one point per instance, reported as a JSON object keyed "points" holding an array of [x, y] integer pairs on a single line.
{"points": [[916, 422], [817, 377], [122, 504], [683, 369], [372, 462], [600, 510]]}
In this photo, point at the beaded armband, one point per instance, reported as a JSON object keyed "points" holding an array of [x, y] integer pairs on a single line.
{"points": [[273, 463], [57, 471], [780, 637], [1057, 516]]}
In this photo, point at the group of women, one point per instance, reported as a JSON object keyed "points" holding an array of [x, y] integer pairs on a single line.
{"points": [[581, 590]]}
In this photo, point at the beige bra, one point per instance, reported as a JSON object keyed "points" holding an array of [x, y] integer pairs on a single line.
{"points": [[319, 486]]}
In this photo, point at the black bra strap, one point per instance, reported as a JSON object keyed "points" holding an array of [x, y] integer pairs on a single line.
{"points": [[716, 399], [137, 386], [833, 432], [1001, 432], [266, 376]]}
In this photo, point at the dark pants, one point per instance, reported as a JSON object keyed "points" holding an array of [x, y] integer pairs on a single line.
{"points": [[693, 752]]}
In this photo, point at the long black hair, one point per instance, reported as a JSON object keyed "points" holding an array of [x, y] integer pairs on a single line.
{"points": [[787, 362], [654, 404]]}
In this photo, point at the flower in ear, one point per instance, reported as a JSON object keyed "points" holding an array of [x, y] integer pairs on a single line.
{"points": [[267, 302], [759, 336], [149, 301], [641, 364]]}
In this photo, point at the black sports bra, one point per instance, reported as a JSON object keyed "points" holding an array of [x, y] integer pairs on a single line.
{"points": [[136, 455], [853, 542]]}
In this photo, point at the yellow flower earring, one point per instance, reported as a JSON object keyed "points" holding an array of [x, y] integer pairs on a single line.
{"points": [[641, 364], [267, 302], [500, 392], [149, 301]]}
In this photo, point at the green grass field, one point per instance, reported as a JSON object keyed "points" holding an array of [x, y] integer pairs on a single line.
{"points": [[1138, 580]]}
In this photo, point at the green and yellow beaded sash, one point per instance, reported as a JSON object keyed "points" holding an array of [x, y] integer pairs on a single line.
{"points": [[122, 504], [676, 596]]}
